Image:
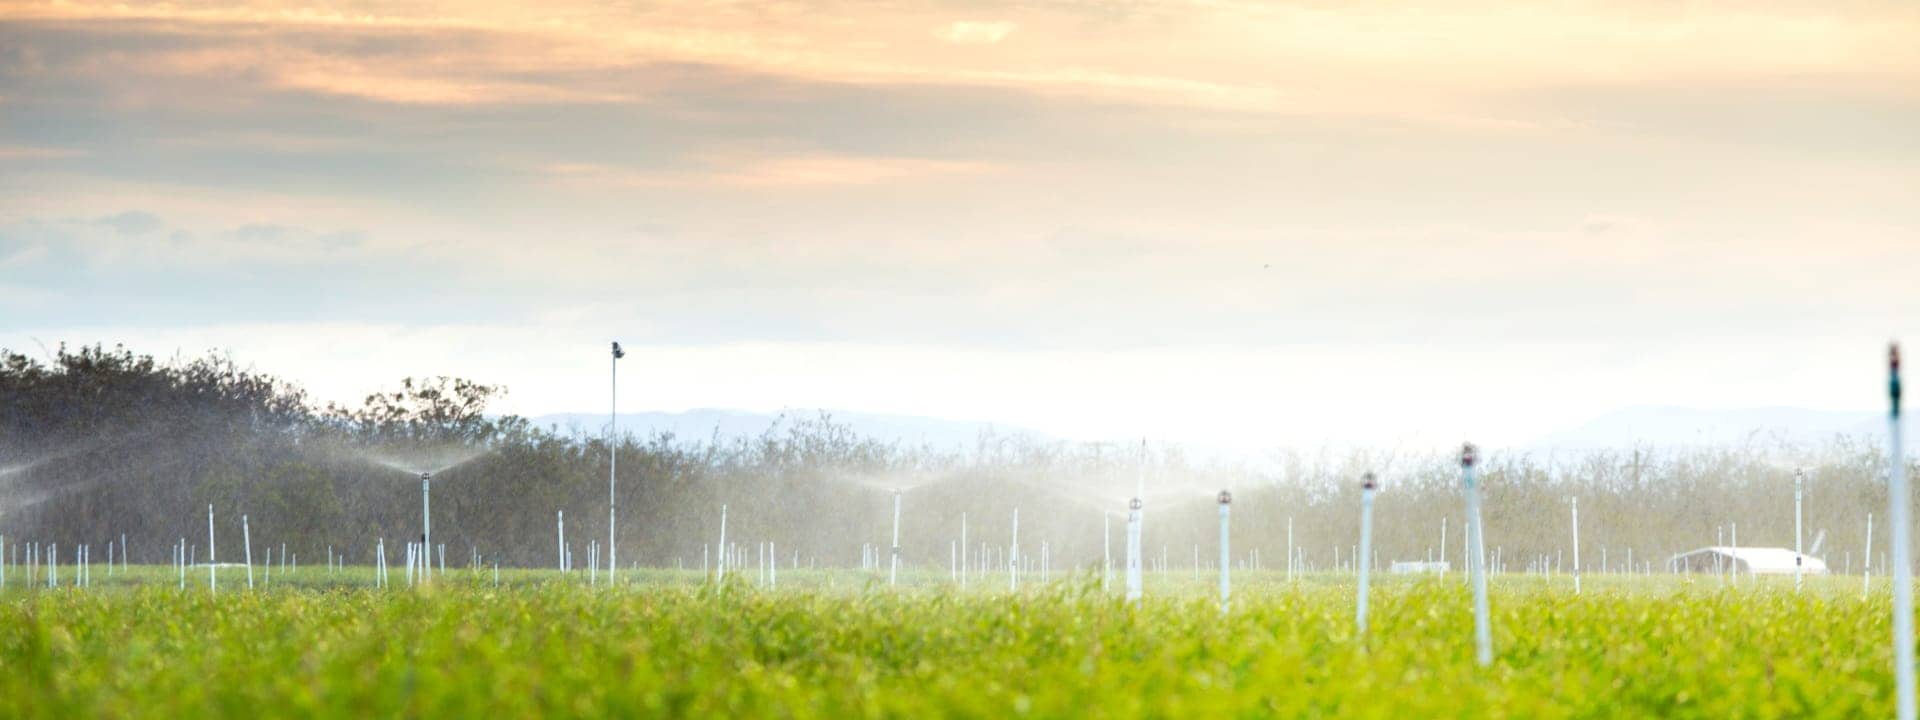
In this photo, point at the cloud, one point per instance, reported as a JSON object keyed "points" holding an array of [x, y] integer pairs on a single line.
{"points": [[791, 171], [17, 152], [132, 222], [966, 32]]}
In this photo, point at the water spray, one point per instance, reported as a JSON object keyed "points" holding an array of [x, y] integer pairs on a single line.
{"points": [[1367, 487], [1476, 560], [1898, 497]]}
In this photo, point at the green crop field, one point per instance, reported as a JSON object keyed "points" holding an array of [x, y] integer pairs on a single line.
{"points": [[839, 644]]}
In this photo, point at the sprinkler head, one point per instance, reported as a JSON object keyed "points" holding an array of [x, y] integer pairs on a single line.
{"points": [[1133, 504], [1366, 482], [1467, 453], [426, 476], [1226, 498], [617, 352]]}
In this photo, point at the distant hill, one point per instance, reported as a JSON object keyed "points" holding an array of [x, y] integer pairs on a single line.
{"points": [[1678, 427], [702, 424]]}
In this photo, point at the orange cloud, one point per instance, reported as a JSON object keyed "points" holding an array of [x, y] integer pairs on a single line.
{"points": [[1404, 60]]}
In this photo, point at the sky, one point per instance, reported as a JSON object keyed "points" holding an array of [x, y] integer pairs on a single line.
{"points": [[1246, 224]]}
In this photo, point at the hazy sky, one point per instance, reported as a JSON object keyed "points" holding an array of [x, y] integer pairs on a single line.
{"points": [[1259, 223]]}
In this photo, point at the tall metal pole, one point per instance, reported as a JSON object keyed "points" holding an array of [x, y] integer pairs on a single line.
{"points": [[613, 456], [721, 570], [1799, 484], [1367, 486], [1226, 564], [1476, 559], [1897, 495], [963, 551]]}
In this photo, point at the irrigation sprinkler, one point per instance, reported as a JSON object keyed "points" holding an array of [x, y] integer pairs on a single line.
{"points": [[1226, 584], [246, 538], [1866, 560], [1799, 482], [613, 452], [213, 585], [720, 571], [1367, 487], [1733, 536], [1897, 495], [1289, 549], [426, 518], [1476, 561], [893, 571], [1013, 555], [560, 548], [1576, 545], [1443, 545], [1133, 551], [1106, 551], [963, 551]]}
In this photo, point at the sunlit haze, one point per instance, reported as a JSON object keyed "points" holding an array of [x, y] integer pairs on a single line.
{"points": [[1239, 224]]}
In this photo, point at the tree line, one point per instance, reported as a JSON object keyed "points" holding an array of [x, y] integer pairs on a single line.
{"points": [[98, 442]]}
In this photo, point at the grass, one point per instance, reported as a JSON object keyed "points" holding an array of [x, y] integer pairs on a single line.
{"points": [[839, 645]]}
